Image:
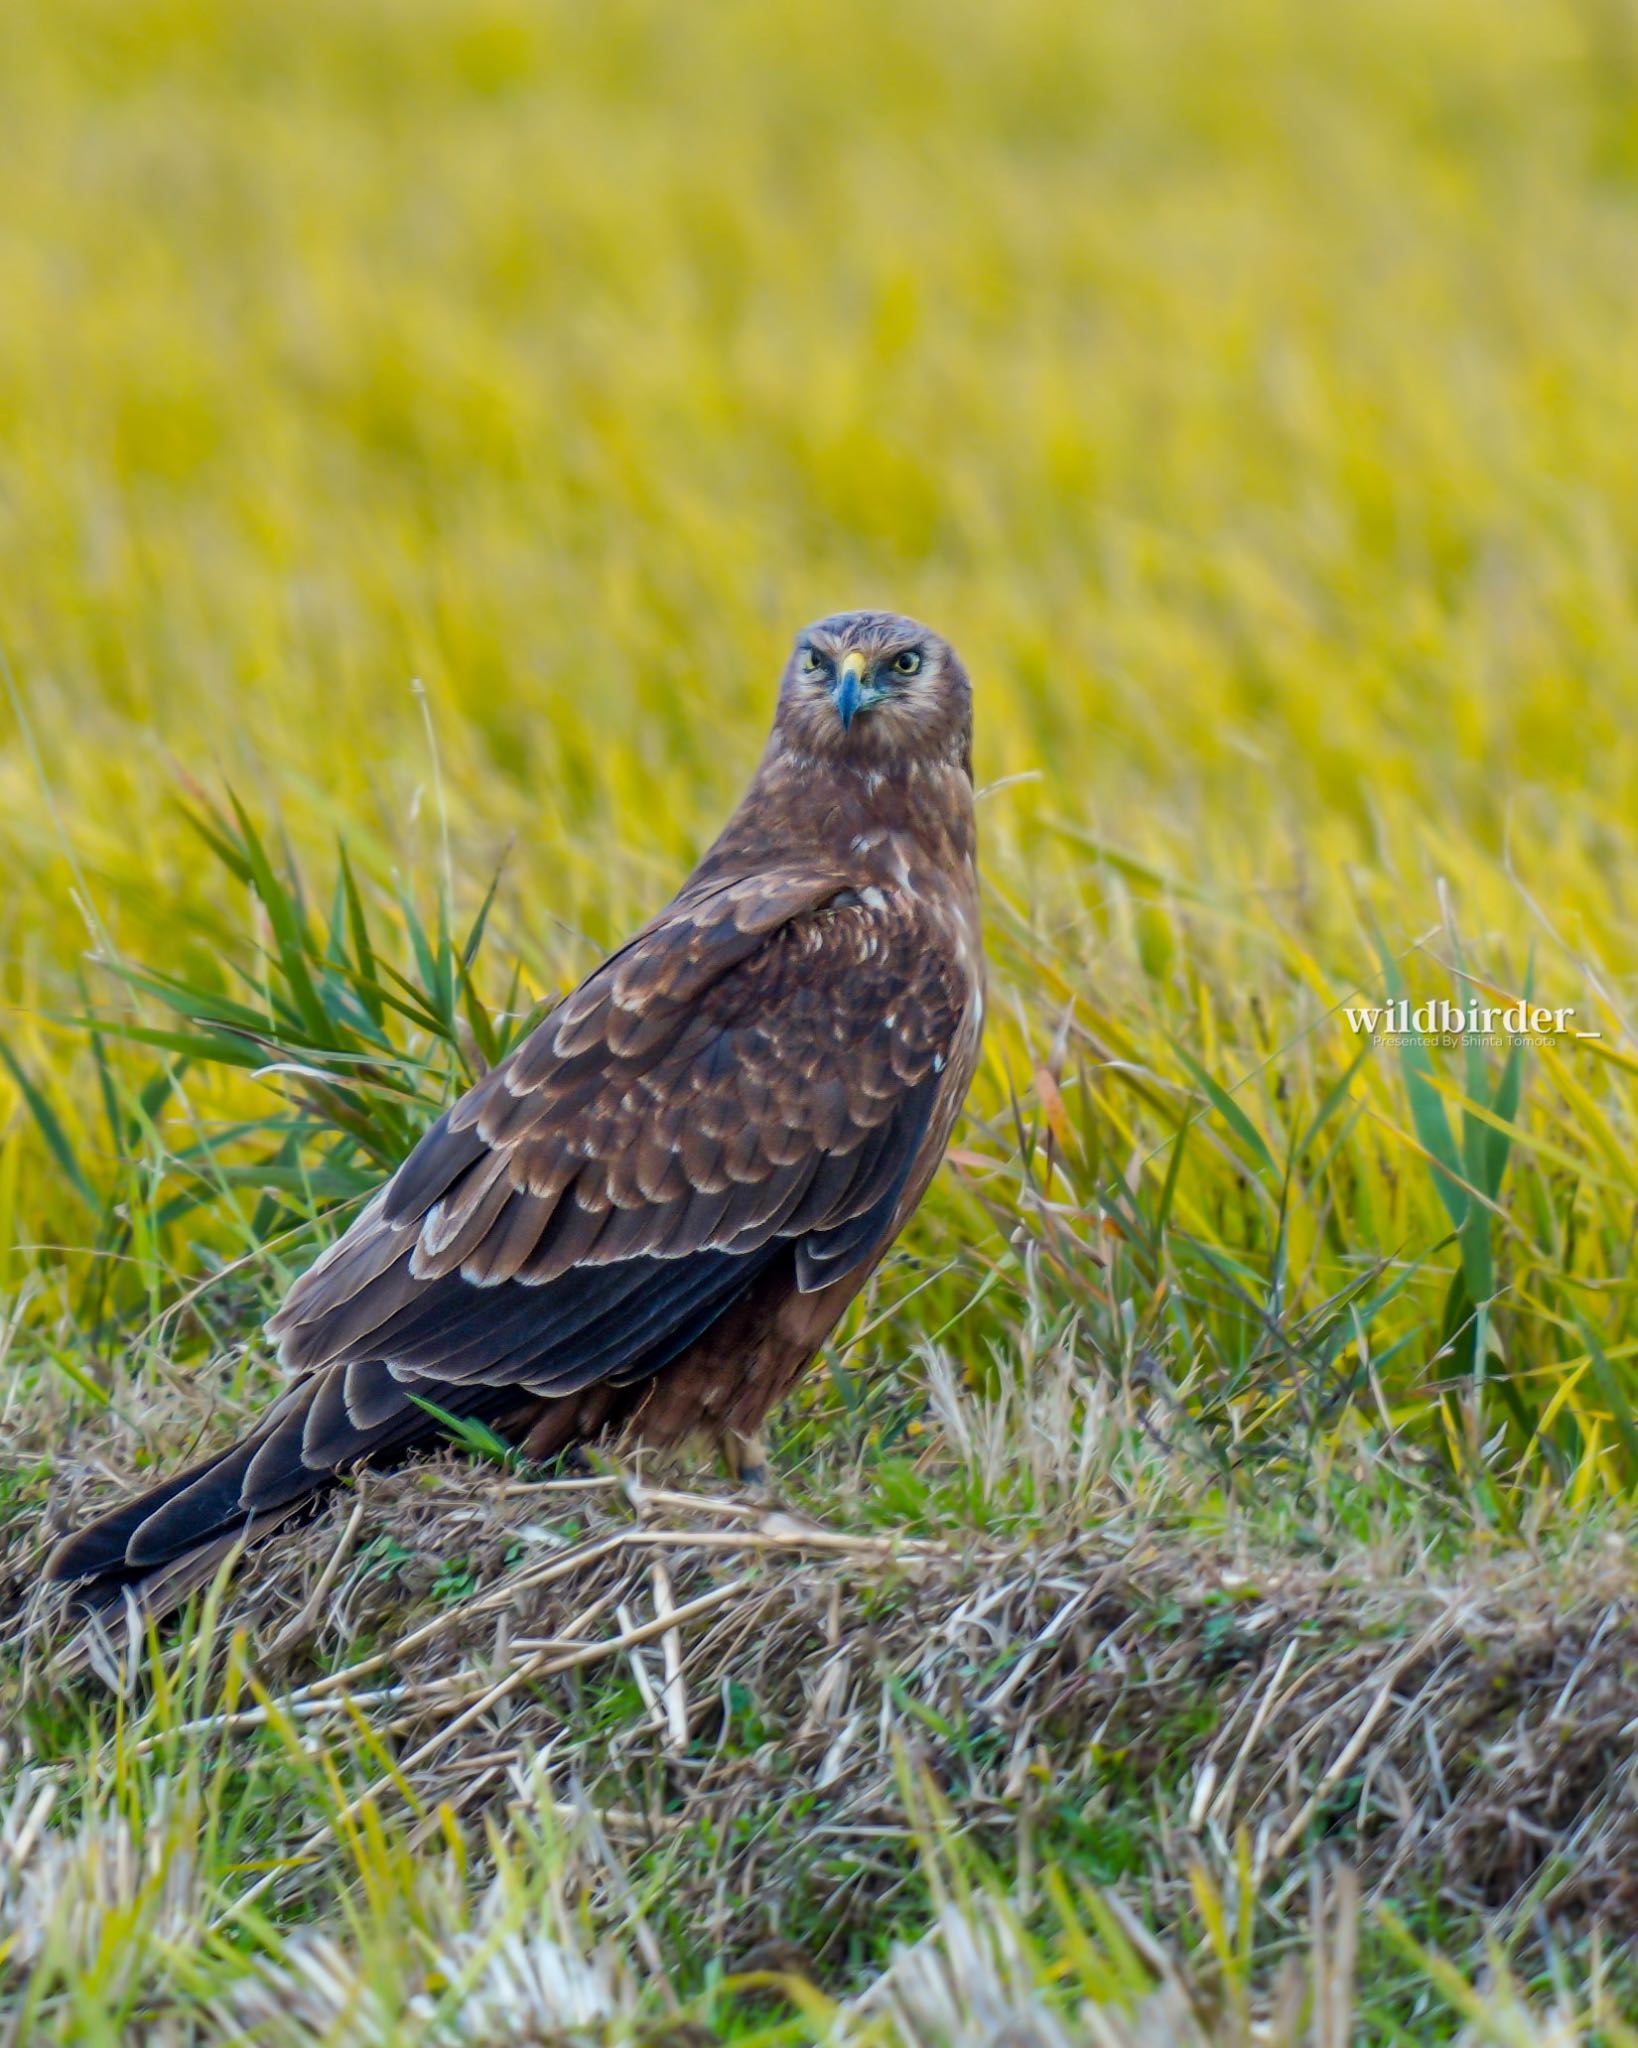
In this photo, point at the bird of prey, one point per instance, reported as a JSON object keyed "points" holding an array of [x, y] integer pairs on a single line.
{"points": [[644, 1222]]}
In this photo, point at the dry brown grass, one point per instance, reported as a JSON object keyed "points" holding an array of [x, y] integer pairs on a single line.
{"points": [[756, 1731], [1473, 1727]]}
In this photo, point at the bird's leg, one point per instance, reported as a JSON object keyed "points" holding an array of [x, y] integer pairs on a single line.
{"points": [[745, 1455], [544, 1446]]}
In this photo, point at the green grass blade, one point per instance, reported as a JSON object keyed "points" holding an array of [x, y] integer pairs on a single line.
{"points": [[49, 1125]]}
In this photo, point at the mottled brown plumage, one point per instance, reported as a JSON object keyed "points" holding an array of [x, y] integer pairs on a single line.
{"points": [[646, 1220]]}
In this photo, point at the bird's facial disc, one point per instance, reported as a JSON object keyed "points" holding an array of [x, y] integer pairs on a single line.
{"points": [[856, 679], [872, 687]]}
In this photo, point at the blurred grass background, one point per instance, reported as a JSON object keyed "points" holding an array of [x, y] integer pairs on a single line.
{"points": [[431, 420], [1250, 392]]}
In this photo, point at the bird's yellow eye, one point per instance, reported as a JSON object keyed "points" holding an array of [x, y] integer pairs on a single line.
{"points": [[811, 663], [906, 662]]}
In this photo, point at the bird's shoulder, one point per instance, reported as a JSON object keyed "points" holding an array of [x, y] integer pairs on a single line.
{"points": [[774, 977], [686, 1093]]}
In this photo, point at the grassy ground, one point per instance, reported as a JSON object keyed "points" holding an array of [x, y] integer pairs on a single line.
{"points": [[1199, 1595]]}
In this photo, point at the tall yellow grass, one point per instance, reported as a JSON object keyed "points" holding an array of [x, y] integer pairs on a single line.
{"points": [[1249, 391]]}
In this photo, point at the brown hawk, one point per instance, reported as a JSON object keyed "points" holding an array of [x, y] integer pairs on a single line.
{"points": [[647, 1219]]}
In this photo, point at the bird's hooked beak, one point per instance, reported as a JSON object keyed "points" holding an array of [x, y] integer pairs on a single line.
{"points": [[847, 692]]}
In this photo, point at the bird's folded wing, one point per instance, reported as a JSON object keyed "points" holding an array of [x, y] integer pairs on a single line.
{"points": [[756, 1070]]}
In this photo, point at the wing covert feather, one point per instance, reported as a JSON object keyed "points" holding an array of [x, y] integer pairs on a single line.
{"points": [[758, 1067]]}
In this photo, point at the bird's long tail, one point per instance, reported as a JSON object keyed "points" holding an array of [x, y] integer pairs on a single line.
{"points": [[163, 1544]]}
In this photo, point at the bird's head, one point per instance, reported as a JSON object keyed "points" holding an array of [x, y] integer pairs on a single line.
{"points": [[877, 689]]}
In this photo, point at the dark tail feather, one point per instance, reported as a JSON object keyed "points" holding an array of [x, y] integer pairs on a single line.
{"points": [[166, 1542], [102, 1606]]}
